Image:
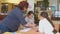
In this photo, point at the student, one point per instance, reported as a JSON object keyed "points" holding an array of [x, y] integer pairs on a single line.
{"points": [[30, 18], [45, 25], [15, 18]]}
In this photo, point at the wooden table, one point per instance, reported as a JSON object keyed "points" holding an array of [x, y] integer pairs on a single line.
{"points": [[32, 31]]}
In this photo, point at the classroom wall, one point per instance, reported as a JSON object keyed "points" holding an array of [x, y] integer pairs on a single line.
{"points": [[54, 3], [14, 1], [37, 0], [31, 5]]}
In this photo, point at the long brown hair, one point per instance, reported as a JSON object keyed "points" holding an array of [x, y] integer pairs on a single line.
{"points": [[23, 4], [45, 15]]}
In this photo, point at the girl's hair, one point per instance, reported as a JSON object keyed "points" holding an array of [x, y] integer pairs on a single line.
{"points": [[23, 4], [45, 15], [29, 13]]}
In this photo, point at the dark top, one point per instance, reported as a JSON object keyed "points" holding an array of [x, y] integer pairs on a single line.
{"points": [[14, 19]]}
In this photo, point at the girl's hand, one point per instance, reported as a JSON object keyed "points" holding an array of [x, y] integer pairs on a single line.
{"points": [[30, 25]]}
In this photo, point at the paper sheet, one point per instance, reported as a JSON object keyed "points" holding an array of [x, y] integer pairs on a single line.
{"points": [[57, 33], [25, 29]]}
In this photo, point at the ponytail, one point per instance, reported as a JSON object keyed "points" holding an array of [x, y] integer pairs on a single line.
{"points": [[54, 31], [45, 15]]}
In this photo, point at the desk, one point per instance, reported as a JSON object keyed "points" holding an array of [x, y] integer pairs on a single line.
{"points": [[32, 31], [57, 23]]}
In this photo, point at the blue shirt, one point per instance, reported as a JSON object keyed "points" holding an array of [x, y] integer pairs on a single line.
{"points": [[14, 19]]}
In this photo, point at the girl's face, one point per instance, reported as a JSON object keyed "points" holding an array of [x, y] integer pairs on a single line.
{"points": [[40, 17], [31, 16]]}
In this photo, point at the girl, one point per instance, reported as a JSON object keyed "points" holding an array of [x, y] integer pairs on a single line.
{"points": [[30, 18], [45, 25]]}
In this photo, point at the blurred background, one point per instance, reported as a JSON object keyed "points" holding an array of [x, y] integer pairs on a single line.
{"points": [[37, 6]]}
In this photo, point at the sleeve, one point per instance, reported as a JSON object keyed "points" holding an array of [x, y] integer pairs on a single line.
{"points": [[31, 21], [20, 17], [26, 19], [48, 26], [41, 28]]}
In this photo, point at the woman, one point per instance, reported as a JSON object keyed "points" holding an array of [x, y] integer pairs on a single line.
{"points": [[45, 25], [30, 18], [15, 18]]}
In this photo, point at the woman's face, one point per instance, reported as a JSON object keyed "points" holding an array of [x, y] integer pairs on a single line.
{"points": [[25, 9], [31, 16]]}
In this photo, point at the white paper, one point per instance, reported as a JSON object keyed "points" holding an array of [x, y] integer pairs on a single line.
{"points": [[25, 29], [57, 33]]}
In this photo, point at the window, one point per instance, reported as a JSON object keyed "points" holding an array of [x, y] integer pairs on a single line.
{"points": [[4, 8]]}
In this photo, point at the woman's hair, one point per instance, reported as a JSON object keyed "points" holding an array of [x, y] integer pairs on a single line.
{"points": [[45, 15], [23, 4], [29, 13]]}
